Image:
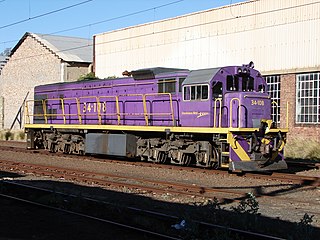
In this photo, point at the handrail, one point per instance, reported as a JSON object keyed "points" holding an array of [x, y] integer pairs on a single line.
{"points": [[27, 113], [215, 112], [230, 112], [117, 107], [144, 104], [287, 122], [171, 104], [277, 105], [45, 114], [44, 111], [64, 114], [78, 108], [97, 108]]}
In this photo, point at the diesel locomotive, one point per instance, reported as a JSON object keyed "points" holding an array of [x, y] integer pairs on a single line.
{"points": [[213, 118]]}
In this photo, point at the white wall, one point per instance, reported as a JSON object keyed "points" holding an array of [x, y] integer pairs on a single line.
{"points": [[279, 36]]}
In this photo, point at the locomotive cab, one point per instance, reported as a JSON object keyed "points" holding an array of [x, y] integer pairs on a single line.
{"points": [[228, 97], [239, 108], [245, 99]]}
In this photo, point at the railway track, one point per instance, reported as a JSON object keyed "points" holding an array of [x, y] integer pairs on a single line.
{"points": [[149, 187], [284, 177], [138, 185]]}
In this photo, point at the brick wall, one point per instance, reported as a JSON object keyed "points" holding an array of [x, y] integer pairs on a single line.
{"points": [[1, 113], [30, 65], [288, 94]]}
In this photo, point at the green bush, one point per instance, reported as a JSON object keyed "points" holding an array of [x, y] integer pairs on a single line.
{"points": [[22, 135], [87, 76], [8, 135]]}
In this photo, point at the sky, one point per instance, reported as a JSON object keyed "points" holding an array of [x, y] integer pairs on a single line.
{"points": [[84, 18]]}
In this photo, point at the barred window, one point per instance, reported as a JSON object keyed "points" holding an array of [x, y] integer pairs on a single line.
{"points": [[273, 83], [308, 98]]}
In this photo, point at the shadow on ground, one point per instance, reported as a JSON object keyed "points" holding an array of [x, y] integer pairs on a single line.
{"points": [[122, 207]]}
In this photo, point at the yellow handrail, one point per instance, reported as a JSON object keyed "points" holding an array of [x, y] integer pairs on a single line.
{"points": [[144, 104], [230, 112], [171, 104], [287, 122], [97, 102], [62, 108], [27, 111], [117, 107], [215, 112], [97, 108]]}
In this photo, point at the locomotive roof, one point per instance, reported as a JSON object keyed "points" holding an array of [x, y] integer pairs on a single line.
{"points": [[150, 73], [201, 76]]}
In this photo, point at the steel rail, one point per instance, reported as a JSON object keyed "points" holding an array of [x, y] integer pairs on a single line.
{"points": [[161, 186], [297, 179]]}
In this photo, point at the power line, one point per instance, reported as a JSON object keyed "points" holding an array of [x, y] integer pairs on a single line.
{"points": [[44, 14], [116, 18], [174, 29], [106, 20]]}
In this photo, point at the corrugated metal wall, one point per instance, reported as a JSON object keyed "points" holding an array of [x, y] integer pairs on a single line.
{"points": [[279, 36]]}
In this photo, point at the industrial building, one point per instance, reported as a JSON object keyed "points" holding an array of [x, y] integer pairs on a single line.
{"points": [[280, 37]]}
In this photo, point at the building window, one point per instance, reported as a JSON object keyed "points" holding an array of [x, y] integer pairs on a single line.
{"points": [[308, 98], [273, 83]]}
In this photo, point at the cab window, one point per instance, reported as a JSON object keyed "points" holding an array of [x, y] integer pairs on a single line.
{"points": [[196, 92], [247, 84], [232, 83], [186, 93], [217, 90]]}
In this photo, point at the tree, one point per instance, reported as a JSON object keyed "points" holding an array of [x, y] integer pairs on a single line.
{"points": [[87, 76]]}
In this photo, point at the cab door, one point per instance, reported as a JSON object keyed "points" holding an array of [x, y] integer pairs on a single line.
{"points": [[195, 107]]}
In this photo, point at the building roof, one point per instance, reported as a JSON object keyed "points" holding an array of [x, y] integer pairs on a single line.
{"points": [[69, 49]]}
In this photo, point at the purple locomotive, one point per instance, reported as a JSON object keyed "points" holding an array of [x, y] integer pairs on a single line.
{"points": [[217, 117]]}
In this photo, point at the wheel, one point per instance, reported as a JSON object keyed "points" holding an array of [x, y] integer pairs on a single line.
{"points": [[162, 157], [186, 159]]}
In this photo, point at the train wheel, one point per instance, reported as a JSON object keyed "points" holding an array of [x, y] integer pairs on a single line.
{"points": [[162, 157], [66, 149], [186, 159], [214, 163], [53, 147]]}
